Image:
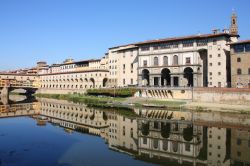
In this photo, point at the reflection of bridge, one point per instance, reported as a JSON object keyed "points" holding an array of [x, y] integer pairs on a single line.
{"points": [[8, 85], [15, 110]]}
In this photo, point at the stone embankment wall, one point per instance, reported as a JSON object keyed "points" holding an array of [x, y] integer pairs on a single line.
{"points": [[222, 95], [207, 95], [177, 94]]}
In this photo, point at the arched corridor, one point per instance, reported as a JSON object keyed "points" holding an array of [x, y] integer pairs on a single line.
{"points": [[165, 77], [188, 74], [145, 77]]}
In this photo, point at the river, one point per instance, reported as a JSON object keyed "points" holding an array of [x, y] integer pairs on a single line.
{"points": [[48, 132]]}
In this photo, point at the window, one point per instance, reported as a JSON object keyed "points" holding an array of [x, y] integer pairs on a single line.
{"points": [[219, 55], [175, 45], [210, 64], [124, 81], [155, 61], [165, 145], [210, 56], [239, 71], [175, 60], [155, 47], [238, 60], [219, 85], [210, 73], [219, 63], [187, 147], [144, 140], [131, 133], [202, 42], [165, 60], [188, 43], [238, 141], [219, 73], [156, 125], [155, 143], [165, 46], [145, 63], [124, 66], [132, 66], [238, 154], [188, 60], [131, 81], [249, 71], [214, 42], [239, 48], [123, 131], [247, 47], [145, 48]]}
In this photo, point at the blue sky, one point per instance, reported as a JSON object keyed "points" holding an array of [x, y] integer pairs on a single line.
{"points": [[53, 30]]}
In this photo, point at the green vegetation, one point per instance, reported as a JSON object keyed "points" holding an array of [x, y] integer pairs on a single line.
{"points": [[127, 92]]}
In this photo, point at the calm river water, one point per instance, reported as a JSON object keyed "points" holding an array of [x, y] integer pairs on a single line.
{"points": [[50, 132]]}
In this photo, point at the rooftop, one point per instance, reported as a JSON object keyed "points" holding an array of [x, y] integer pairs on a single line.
{"points": [[240, 42]]}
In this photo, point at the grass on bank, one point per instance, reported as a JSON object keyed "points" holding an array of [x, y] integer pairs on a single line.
{"points": [[110, 102], [78, 98]]}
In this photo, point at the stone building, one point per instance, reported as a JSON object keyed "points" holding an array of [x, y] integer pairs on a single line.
{"points": [[201, 60], [240, 67], [123, 65]]}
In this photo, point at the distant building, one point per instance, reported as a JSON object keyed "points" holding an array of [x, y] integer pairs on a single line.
{"points": [[240, 64]]}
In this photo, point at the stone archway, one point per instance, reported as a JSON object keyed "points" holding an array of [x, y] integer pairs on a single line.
{"points": [[145, 77], [165, 77], [188, 74]]}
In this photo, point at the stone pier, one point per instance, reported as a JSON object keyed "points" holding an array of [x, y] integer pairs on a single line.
{"points": [[5, 95]]}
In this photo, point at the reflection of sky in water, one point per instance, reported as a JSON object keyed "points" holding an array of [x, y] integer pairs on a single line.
{"points": [[22, 142]]}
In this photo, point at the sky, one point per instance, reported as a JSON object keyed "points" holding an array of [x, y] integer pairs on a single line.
{"points": [[53, 30]]}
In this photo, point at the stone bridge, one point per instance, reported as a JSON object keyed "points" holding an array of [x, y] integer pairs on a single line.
{"points": [[10, 82]]}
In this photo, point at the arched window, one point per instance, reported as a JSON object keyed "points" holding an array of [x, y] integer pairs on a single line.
{"points": [[239, 71], [155, 61], [175, 60], [165, 60]]}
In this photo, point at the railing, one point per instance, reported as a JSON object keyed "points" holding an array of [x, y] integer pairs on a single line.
{"points": [[14, 83]]}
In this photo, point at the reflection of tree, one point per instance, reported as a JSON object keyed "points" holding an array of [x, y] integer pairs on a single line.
{"points": [[165, 130], [145, 128], [188, 133]]}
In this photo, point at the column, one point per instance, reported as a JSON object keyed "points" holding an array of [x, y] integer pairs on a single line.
{"points": [[195, 80], [159, 81], [172, 80]]}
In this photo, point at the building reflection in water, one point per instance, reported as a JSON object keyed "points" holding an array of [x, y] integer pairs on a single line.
{"points": [[157, 136]]}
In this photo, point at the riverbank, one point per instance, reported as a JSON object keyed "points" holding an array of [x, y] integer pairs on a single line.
{"points": [[115, 102], [137, 102]]}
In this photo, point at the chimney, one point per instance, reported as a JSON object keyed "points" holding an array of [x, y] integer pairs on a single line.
{"points": [[216, 31]]}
